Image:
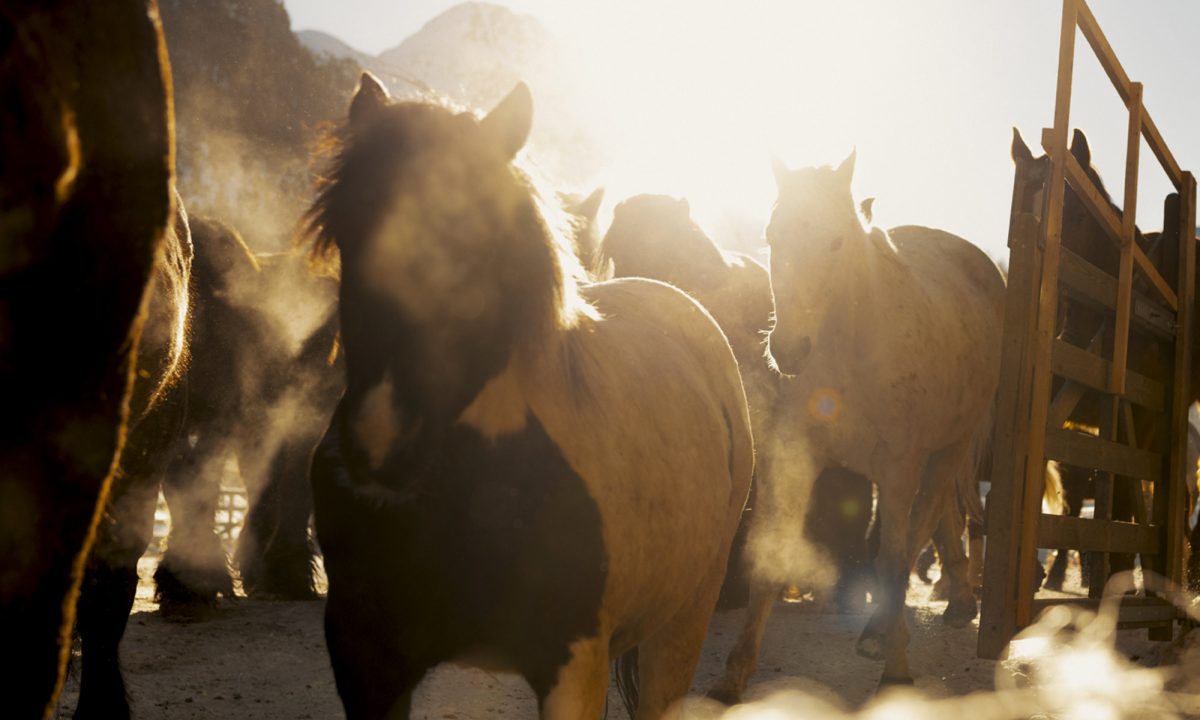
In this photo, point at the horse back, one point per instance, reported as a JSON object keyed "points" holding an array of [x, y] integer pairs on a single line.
{"points": [[668, 453]]}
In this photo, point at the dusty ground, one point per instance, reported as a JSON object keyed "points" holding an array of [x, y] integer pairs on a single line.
{"points": [[267, 660]]}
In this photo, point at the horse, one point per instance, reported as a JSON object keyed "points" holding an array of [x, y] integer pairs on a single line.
{"points": [[87, 143], [1080, 324], [654, 236], [524, 472], [889, 342], [254, 389], [157, 413]]}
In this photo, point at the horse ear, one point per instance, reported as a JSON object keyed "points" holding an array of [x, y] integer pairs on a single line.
{"points": [[685, 209], [845, 171], [1080, 148], [369, 101], [590, 207], [1020, 151], [780, 170], [866, 206], [508, 123]]}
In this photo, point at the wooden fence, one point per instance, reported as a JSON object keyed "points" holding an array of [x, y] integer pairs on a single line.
{"points": [[1158, 308]]}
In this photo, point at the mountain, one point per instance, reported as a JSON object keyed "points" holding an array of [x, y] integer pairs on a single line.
{"points": [[472, 55], [323, 45], [250, 103]]}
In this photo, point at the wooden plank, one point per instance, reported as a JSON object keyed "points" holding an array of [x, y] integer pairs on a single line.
{"points": [[1104, 52], [1155, 277], [1182, 394], [1085, 282], [1133, 147], [1134, 611], [1071, 392], [1093, 371], [997, 614], [1159, 147], [1103, 454], [1088, 535], [1047, 317], [1120, 80]]}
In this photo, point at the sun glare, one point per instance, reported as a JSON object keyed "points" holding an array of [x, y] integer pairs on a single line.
{"points": [[693, 99]]}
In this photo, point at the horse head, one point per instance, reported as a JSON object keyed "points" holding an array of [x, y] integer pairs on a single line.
{"points": [[654, 236], [814, 230], [445, 257]]}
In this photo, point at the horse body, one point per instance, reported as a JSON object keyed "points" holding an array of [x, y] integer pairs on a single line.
{"points": [[87, 148], [892, 346], [521, 474], [127, 524]]}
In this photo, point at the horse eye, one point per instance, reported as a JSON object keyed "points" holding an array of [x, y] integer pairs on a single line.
{"points": [[836, 244]]}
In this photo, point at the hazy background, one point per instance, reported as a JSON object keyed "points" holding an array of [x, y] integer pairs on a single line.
{"points": [[694, 96]]}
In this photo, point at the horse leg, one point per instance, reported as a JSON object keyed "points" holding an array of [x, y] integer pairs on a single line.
{"points": [[667, 660], [581, 687], [743, 658], [274, 553], [1074, 492], [886, 633], [194, 568], [960, 608], [106, 597]]}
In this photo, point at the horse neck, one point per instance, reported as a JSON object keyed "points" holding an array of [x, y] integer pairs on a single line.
{"points": [[866, 281]]}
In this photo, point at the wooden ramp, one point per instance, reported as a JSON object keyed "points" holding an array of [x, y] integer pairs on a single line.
{"points": [[1132, 374]]}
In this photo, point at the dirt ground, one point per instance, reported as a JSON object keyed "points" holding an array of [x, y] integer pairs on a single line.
{"points": [[267, 660]]}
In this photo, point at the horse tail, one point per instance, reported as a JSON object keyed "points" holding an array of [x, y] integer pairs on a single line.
{"points": [[980, 468], [625, 674], [1052, 490]]}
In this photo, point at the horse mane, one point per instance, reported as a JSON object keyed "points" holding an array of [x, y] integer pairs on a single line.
{"points": [[354, 190]]}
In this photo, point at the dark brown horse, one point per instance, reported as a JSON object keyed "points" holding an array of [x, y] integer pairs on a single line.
{"points": [[87, 148]]}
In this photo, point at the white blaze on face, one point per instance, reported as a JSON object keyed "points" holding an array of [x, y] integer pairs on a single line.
{"points": [[378, 425]]}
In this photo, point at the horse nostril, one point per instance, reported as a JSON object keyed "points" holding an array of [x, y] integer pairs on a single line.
{"points": [[805, 347]]}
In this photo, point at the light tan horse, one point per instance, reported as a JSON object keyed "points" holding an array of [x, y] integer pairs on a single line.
{"points": [[891, 342]]}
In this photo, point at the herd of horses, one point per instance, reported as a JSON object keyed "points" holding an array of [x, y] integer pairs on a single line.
{"points": [[522, 445]]}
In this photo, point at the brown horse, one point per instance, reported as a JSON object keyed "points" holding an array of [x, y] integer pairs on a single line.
{"points": [[582, 452], [87, 148]]}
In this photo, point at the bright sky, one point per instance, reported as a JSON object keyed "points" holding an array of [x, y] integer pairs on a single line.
{"points": [[700, 93]]}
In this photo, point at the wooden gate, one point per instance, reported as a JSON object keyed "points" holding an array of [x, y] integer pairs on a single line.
{"points": [[1139, 444]]}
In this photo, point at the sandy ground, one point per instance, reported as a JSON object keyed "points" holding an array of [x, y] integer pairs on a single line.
{"points": [[267, 660]]}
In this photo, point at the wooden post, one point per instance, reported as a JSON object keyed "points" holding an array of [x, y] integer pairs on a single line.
{"points": [[1035, 460], [1128, 231]]}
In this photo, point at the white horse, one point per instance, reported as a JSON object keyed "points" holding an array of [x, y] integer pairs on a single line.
{"points": [[523, 473], [890, 344]]}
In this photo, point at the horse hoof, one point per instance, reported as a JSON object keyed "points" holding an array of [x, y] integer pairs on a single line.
{"points": [[960, 614], [725, 695], [870, 647]]}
